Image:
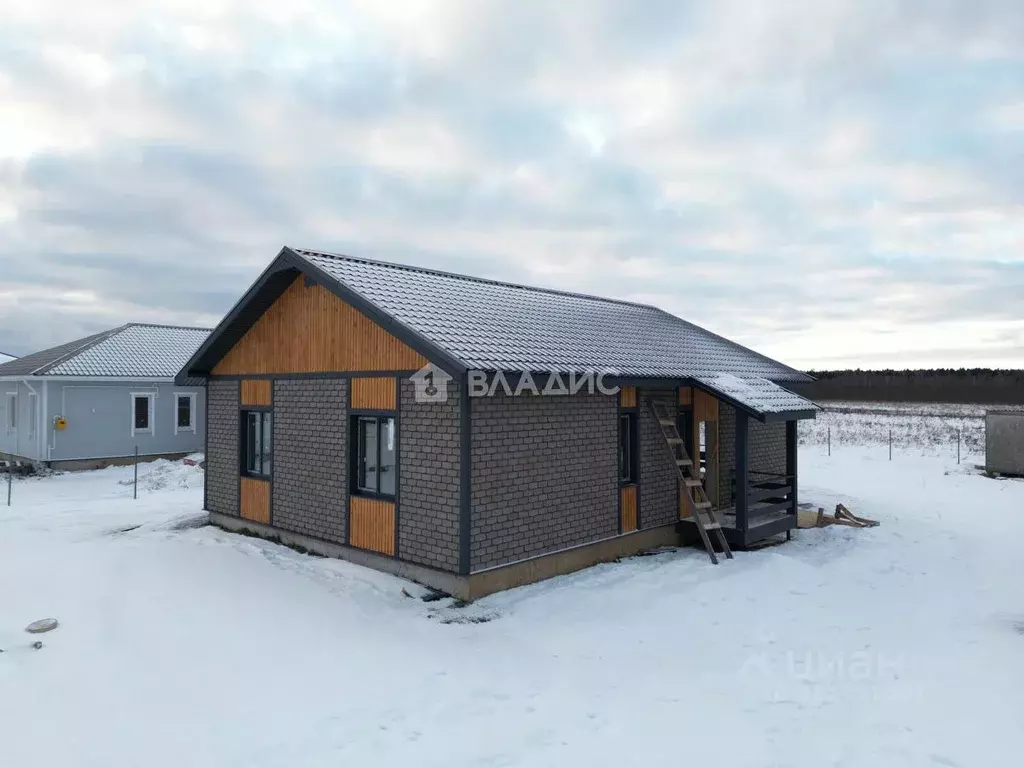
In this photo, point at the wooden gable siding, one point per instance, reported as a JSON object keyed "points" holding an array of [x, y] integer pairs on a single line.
{"points": [[627, 397], [256, 391], [705, 406], [310, 330], [628, 502], [375, 393]]}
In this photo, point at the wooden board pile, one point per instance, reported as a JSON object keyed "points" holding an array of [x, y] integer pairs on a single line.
{"points": [[808, 518]]}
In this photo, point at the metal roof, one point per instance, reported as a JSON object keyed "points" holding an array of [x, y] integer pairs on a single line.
{"points": [[490, 325], [756, 394], [132, 351]]}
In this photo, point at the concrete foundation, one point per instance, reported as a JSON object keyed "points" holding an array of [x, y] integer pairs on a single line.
{"points": [[1004, 442]]}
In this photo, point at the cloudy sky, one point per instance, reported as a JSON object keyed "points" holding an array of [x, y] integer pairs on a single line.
{"points": [[833, 182]]}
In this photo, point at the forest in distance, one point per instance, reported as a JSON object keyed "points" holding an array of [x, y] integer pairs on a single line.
{"points": [[985, 386]]}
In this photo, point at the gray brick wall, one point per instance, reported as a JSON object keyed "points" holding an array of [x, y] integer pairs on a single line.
{"points": [[544, 475], [766, 446], [222, 460], [428, 482], [310, 489], [658, 476], [726, 453]]}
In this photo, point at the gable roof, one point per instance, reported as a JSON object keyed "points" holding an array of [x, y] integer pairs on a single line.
{"points": [[469, 323], [134, 350]]}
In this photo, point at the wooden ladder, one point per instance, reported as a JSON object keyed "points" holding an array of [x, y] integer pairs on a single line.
{"points": [[690, 483]]}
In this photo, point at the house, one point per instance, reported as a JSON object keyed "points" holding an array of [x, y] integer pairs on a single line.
{"points": [[474, 435], [92, 401]]}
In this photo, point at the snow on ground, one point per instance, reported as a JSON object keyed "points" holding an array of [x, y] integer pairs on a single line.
{"points": [[901, 645], [930, 427]]}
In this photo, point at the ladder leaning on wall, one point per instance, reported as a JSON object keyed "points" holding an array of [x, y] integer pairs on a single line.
{"points": [[690, 483]]}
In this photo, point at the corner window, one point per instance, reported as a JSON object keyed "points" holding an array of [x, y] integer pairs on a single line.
{"points": [[11, 411], [142, 412], [374, 455], [257, 446], [184, 412], [627, 448]]}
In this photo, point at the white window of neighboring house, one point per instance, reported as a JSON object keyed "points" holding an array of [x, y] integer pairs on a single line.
{"points": [[33, 414], [142, 413], [184, 412], [12, 411]]}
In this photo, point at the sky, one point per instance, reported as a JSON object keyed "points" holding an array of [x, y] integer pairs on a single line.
{"points": [[835, 183]]}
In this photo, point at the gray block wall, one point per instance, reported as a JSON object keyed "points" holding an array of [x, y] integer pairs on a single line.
{"points": [[428, 480], [659, 480], [726, 454], [222, 459], [544, 475], [767, 447], [310, 432]]}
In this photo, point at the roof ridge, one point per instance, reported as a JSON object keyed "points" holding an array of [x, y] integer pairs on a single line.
{"points": [[89, 343], [471, 278], [166, 325]]}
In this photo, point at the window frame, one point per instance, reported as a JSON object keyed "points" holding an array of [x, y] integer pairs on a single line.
{"points": [[356, 453], [632, 474], [11, 411], [150, 429], [191, 412], [243, 452]]}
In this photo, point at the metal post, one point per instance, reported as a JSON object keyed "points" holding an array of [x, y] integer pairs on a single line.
{"points": [[135, 484], [958, 445], [10, 475], [742, 473], [890, 444], [829, 439]]}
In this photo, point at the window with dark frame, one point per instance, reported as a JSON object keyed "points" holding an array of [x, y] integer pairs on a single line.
{"points": [[140, 412], [627, 448], [184, 412], [257, 447], [374, 452]]}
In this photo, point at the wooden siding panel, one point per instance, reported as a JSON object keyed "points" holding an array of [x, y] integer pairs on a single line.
{"points": [[686, 395], [705, 407], [310, 330], [372, 524], [256, 391], [255, 501], [629, 522], [627, 397], [377, 393]]}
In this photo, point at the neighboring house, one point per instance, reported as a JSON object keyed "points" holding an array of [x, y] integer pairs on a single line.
{"points": [[92, 401], [339, 421]]}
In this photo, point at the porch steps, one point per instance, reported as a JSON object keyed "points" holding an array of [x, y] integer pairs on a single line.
{"points": [[691, 485]]}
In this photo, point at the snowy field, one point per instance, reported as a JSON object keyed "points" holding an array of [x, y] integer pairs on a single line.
{"points": [[179, 645], [930, 428]]}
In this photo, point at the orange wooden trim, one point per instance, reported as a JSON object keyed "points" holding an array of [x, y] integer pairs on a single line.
{"points": [[376, 393], [372, 524], [310, 330], [628, 493], [705, 406], [256, 391], [255, 501], [627, 397], [686, 395]]}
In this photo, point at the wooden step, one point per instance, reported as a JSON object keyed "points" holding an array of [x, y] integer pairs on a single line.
{"points": [[684, 463], [667, 422], [712, 526], [674, 440], [693, 482], [702, 504]]}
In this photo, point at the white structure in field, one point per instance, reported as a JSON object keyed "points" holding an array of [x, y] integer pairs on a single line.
{"points": [[1004, 442]]}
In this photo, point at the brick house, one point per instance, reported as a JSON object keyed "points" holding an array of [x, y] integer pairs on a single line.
{"points": [[381, 414]]}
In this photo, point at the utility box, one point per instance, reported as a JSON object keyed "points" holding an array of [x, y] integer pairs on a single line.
{"points": [[1004, 442]]}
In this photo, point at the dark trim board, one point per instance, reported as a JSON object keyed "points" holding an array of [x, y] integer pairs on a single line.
{"points": [[465, 477], [320, 375]]}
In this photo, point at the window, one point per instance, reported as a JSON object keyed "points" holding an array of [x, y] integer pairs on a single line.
{"points": [[12, 411], [184, 412], [142, 412], [627, 448], [375, 455], [257, 449]]}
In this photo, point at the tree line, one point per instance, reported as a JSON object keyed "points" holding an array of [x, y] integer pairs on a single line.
{"points": [[938, 385]]}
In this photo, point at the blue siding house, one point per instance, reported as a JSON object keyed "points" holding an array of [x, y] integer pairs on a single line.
{"points": [[93, 401]]}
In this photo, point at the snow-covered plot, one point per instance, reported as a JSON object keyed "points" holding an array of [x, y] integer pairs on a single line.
{"points": [[929, 428], [901, 645]]}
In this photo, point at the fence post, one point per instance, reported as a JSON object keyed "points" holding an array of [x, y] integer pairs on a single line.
{"points": [[958, 445], [829, 439], [10, 475], [135, 483], [890, 443]]}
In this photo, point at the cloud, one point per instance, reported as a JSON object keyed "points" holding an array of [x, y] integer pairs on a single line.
{"points": [[835, 183]]}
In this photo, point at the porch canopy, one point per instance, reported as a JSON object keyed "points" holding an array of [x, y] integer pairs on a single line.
{"points": [[761, 398]]}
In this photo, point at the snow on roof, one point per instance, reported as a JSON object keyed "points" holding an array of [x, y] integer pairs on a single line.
{"points": [[134, 350], [757, 394]]}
